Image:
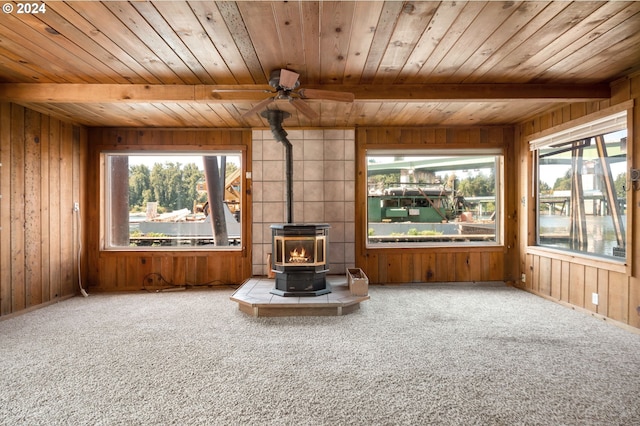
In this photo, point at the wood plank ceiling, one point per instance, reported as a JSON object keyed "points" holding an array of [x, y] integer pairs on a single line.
{"points": [[181, 64]]}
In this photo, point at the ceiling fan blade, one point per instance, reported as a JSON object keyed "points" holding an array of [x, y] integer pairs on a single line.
{"points": [[304, 108], [329, 95], [288, 79], [258, 107]]}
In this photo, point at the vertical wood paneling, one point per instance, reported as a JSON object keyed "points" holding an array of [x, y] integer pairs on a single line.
{"points": [[590, 287], [5, 209], [618, 305], [565, 290], [32, 228], [45, 197], [54, 187], [544, 271], [36, 243], [603, 292], [554, 282], [17, 203], [66, 210]]}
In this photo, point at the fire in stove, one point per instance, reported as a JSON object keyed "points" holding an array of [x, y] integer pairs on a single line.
{"points": [[296, 256]]}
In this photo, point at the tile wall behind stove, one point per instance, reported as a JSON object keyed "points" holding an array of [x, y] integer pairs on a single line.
{"points": [[323, 190]]}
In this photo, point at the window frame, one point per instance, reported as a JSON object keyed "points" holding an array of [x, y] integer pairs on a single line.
{"points": [[591, 125], [162, 151], [500, 200]]}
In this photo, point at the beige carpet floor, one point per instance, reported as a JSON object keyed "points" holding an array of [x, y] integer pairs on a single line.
{"points": [[412, 355]]}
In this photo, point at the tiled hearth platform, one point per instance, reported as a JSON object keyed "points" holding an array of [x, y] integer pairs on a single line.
{"points": [[254, 298]]}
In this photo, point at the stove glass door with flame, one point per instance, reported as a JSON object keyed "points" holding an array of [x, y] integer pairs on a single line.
{"points": [[300, 251]]}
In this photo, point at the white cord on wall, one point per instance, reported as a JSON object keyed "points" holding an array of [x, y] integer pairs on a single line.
{"points": [[76, 209]]}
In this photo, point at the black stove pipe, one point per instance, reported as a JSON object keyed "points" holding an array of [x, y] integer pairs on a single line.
{"points": [[275, 118]]}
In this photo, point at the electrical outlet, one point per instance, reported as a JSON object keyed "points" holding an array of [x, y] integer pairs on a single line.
{"points": [[76, 207], [594, 298], [523, 278]]}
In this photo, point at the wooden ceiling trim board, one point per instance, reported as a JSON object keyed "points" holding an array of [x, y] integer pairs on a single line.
{"points": [[58, 112], [64, 50], [342, 114], [34, 56], [490, 18], [106, 22], [363, 28], [291, 36], [599, 52], [311, 35], [175, 43], [172, 111], [598, 66], [522, 15], [184, 23], [391, 112], [492, 68], [432, 112], [233, 19], [467, 115], [147, 35], [12, 70], [440, 23], [335, 33], [512, 69], [412, 23], [602, 20], [383, 31], [402, 112], [72, 93], [364, 110], [152, 116], [467, 15], [116, 70], [213, 24], [139, 73], [132, 93], [260, 23], [196, 116], [226, 113], [441, 111], [233, 112], [98, 112], [327, 114], [215, 114]]}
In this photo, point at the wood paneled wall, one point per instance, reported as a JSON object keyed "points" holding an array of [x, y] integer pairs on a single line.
{"points": [[444, 263], [572, 279], [43, 168], [134, 270]]}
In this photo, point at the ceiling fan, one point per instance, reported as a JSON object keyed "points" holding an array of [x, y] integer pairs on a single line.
{"points": [[285, 84]]}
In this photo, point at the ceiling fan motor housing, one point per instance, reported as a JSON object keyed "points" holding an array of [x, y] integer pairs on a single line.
{"points": [[274, 81]]}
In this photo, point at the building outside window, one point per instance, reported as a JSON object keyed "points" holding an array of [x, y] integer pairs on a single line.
{"points": [[425, 198], [168, 201], [582, 188]]}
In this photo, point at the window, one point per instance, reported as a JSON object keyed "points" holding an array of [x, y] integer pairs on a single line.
{"points": [[172, 201], [425, 197], [581, 188]]}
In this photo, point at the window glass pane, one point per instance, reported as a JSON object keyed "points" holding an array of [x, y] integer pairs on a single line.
{"points": [[422, 199], [157, 201], [582, 195]]}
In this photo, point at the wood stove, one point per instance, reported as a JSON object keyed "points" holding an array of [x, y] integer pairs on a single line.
{"points": [[299, 259]]}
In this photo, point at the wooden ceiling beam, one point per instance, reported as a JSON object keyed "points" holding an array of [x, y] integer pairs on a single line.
{"points": [[134, 93]]}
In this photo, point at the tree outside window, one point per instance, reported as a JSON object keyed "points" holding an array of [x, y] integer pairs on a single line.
{"points": [[157, 201]]}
